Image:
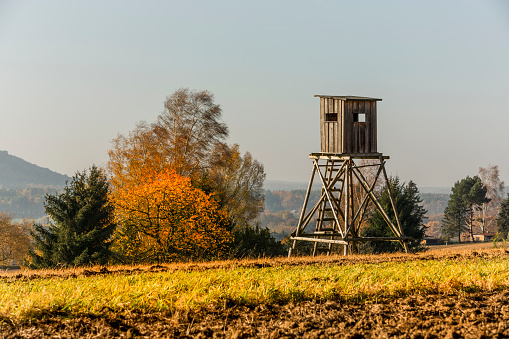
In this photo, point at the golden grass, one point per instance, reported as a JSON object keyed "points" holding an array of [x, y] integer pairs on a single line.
{"points": [[190, 286]]}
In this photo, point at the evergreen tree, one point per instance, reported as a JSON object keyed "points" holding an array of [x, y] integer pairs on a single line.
{"points": [[256, 242], [467, 195], [454, 222], [503, 218], [82, 224], [410, 213]]}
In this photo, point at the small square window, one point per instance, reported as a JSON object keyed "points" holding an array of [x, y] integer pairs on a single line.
{"points": [[359, 117], [331, 117]]}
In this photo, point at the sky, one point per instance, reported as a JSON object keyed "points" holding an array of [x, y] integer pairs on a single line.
{"points": [[76, 74]]}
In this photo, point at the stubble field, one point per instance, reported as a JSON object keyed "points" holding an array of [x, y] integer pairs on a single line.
{"points": [[453, 292]]}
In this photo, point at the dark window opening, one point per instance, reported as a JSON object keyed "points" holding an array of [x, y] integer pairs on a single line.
{"points": [[331, 117], [359, 117]]}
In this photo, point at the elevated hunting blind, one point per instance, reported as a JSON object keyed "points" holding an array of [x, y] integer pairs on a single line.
{"points": [[348, 189], [347, 124]]}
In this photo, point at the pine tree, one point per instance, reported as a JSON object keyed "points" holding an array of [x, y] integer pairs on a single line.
{"points": [[255, 242], [82, 224], [454, 222], [410, 213], [467, 195], [503, 218]]}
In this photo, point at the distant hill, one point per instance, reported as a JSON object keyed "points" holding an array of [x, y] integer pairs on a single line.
{"points": [[18, 173]]}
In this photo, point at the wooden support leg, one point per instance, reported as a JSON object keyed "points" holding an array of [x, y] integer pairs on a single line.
{"points": [[405, 246], [292, 248]]}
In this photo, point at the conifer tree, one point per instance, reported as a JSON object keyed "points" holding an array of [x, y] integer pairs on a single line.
{"points": [[82, 224], [503, 218], [467, 195], [410, 213], [454, 222]]}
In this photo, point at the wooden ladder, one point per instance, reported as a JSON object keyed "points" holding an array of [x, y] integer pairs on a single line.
{"points": [[325, 222]]}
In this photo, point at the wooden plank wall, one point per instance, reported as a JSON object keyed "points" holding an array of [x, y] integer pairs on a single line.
{"points": [[345, 135], [331, 127], [372, 124], [329, 130], [359, 136], [322, 124], [348, 127]]}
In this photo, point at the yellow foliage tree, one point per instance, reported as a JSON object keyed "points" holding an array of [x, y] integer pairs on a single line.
{"points": [[188, 138], [167, 219], [238, 183], [182, 139], [14, 240], [136, 157]]}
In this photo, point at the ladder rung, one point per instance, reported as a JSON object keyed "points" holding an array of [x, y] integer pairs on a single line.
{"points": [[326, 219]]}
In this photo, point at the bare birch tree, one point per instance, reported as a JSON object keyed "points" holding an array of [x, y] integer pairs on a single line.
{"points": [[495, 192], [238, 182]]}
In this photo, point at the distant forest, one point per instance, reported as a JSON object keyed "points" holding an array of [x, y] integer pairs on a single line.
{"points": [[24, 203], [282, 210], [23, 186]]}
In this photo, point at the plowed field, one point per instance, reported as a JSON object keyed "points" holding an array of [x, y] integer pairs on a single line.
{"points": [[459, 315], [433, 316]]}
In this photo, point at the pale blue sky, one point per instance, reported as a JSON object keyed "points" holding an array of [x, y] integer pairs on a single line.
{"points": [[74, 74]]}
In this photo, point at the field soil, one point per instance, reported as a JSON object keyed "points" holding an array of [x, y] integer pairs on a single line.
{"points": [[463, 315], [479, 315]]}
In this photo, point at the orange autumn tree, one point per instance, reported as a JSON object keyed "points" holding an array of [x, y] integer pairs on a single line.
{"points": [[167, 219]]}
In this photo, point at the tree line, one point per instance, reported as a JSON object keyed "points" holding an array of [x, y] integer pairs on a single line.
{"points": [[477, 205], [174, 190], [171, 190], [25, 202]]}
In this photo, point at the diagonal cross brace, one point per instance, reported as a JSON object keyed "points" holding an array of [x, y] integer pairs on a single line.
{"points": [[327, 188], [375, 201], [363, 206], [306, 218]]}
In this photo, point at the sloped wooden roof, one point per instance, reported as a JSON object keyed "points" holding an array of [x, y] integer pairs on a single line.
{"points": [[347, 97]]}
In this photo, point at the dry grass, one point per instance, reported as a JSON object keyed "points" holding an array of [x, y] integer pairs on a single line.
{"points": [[465, 246], [173, 287]]}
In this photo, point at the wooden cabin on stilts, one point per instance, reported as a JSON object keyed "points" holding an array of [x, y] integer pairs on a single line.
{"points": [[348, 129]]}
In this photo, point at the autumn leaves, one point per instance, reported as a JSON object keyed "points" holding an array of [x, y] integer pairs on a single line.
{"points": [[167, 219], [178, 189]]}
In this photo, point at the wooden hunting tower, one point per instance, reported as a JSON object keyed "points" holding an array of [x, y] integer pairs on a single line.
{"points": [[347, 124], [348, 134]]}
